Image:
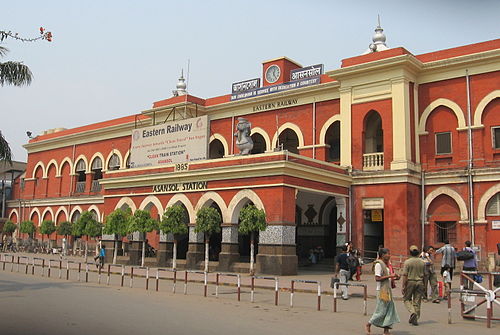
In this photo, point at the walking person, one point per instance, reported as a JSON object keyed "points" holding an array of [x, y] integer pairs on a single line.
{"points": [[413, 284], [385, 314], [102, 255], [430, 277], [342, 271], [449, 257]]}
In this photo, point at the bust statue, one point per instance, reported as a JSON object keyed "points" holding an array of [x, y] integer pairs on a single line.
{"points": [[243, 139]]}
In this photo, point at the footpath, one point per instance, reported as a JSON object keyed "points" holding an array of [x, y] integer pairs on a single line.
{"points": [[311, 289]]}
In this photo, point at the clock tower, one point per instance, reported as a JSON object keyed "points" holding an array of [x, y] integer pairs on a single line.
{"points": [[277, 71]]}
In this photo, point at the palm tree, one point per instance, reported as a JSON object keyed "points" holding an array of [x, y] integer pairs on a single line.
{"points": [[14, 73], [5, 152]]}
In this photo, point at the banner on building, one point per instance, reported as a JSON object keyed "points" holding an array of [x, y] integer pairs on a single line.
{"points": [[170, 143]]}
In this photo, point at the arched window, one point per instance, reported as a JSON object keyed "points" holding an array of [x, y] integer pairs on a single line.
{"points": [[374, 135], [289, 140], [493, 206], [259, 144], [332, 139], [216, 149], [96, 168], [114, 162], [81, 176], [76, 215]]}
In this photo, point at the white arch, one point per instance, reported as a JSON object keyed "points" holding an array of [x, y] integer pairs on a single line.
{"points": [[182, 198], [441, 102], [265, 135], [478, 113], [118, 153], [212, 197], [126, 201], [96, 209], [481, 208], [39, 164], [35, 210], [12, 212], [326, 125], [155, 201], [75, 209], [52, 162], [124, 161], [452, 194], [293, 127], [59, 210], [48, 209], [87, 166], [97, 154], [222, 140], [238, 201], [66, 159]]}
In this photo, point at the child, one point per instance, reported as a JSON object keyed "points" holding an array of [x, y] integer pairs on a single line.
{"points": [[446, 280]]}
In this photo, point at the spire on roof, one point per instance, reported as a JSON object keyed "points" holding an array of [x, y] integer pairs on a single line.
{"points": [[181, 86], [378, 40]]}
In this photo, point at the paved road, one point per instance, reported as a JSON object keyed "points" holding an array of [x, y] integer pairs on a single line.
{"points": [[40, 305]]}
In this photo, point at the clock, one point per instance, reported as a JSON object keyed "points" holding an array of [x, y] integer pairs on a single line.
{"points": [[273, 74]]}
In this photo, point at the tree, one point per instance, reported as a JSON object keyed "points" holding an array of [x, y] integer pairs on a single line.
{"points": [[174, 222], [208, 221], [88, 226], [9, 227], [5, 152], [251, 220], [47, 227], [117, 224], [27, 227], [65, 228], [142, 222], [17, 74]]}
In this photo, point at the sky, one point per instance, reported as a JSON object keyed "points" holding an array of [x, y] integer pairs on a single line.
{"points": [[110, 59]]}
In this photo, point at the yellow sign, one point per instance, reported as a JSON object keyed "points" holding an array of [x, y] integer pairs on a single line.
{"points": [[377, 215]]}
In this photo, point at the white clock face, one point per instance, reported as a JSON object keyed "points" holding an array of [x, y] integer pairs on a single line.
{"points": [[273, 74]]}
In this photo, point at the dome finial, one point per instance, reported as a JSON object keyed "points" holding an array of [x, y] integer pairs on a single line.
{"points": [[181, 86], [378, 39]]}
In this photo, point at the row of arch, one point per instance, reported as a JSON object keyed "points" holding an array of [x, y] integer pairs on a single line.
{"points": [[459, 113], [229, 212], [115, 160], [464, 216]]}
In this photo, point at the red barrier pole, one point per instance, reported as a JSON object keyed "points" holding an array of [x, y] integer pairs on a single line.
{"points": [[99, 268], [185, 282], [175, 280], [86, 272], [79, 270], [449, 308], [60, 269], [147, 279], [205, 283], [109, 274], [291, 293], [157, 278], [33, 268], [276, 292], [319, 297], [365, 296], [67, 270], [43, 265], [17, 264], [239, 288], [217, 285], [48, 275], [123, 276], [335, 297], [252, 290], [131, 276]]}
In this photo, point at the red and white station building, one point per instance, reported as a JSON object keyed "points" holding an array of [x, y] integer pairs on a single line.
{"points": [[390, 149]]}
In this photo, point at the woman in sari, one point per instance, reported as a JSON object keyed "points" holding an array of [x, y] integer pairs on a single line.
{"points": [[385, 314]]}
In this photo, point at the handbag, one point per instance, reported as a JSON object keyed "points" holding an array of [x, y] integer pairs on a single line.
{"points": [[478, 279], [465, 255], [333, 281]]}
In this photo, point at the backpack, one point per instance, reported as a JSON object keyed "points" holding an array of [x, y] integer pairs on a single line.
{"points": [[465, 255], [352, 262]]}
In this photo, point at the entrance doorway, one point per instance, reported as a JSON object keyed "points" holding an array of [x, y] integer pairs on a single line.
{"points": [[373, 220]]}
